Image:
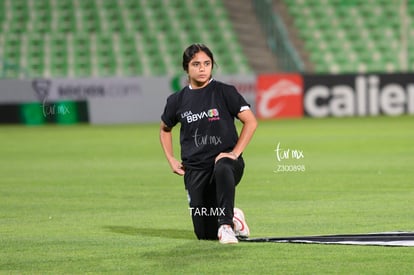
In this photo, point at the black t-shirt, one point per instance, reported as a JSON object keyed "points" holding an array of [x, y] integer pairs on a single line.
{"points": [[207, 121]]}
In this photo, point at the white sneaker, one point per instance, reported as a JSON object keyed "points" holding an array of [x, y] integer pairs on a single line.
{"points": [[240, 226], [226, 235]]}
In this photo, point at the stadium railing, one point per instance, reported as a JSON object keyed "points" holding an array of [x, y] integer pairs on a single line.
{"points": [[277, 38]]}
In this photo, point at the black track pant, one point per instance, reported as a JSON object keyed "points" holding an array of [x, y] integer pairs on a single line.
{"points": [[211, 196]]}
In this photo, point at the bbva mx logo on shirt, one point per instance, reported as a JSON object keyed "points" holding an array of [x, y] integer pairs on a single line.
{"points": [[211, 115]]}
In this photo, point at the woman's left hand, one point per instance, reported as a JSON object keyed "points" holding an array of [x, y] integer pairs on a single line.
{"points": [[230, 155]]}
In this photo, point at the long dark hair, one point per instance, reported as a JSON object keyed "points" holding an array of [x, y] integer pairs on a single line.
{"points": [[192, 50]]}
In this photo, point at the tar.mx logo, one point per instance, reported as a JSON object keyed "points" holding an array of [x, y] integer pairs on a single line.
{"points": [[207, 212], [42, 87], [286, 158]]}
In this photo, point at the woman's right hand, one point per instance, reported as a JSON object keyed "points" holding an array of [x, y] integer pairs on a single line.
{"points": [[177, 167]]}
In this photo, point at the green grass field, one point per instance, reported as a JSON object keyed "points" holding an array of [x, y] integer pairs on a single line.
{"points": [[101, 199]]}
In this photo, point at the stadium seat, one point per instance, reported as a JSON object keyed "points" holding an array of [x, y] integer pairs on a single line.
{"points": [[368, 31], [12, 49], [142, 37]]}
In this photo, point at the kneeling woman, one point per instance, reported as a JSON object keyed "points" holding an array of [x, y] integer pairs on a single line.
{"points": [[211, 149]]}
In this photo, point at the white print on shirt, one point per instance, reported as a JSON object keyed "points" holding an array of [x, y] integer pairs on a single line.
{"points": [[200, 140], [211, 114]]}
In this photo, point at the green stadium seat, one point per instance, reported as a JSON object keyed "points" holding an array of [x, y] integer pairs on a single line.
{"points": [[128, 52], [12, 49], [90, 22], [40, 26], [82, 55], [59, 65], [36, 69], [84, 38], [371, 30], [41, 7], [107, 68], [131, 67], [115, 21], [82, 70]]}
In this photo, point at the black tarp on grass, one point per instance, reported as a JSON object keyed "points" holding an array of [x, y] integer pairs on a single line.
{"points": [[381, 239]]}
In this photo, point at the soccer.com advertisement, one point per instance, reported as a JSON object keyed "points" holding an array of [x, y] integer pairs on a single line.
{"points": [[297, 95]]}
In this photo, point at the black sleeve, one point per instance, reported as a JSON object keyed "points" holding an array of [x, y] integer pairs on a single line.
{"points": [[169, 116], [234, 100]]}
